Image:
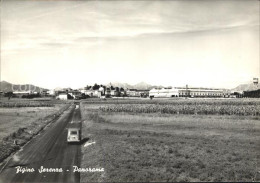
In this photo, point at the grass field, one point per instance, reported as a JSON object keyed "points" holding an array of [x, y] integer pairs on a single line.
{"points": [[21, 123], [157, 146], [14, 118]]}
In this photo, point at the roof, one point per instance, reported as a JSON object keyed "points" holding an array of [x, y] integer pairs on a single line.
{"points": [[164, 89], [63, 94], [22, 92]]}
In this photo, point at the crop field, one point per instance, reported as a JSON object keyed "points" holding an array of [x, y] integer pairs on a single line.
{"points": [[16, 103], [146, 140], [218, 107], [21, 119], [14, 118]]}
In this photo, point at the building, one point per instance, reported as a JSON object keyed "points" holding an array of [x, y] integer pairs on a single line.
{"points": [[44, 92], [143, 93], [93, 93], [122, 93], [185, 92], [51, 92], [199, 92], [132, 93], [74, 93], [102, 90], [163, 92], [114, 93], [21, 94], [98, 93], [89, 93], [252, 94], [62, 96]]}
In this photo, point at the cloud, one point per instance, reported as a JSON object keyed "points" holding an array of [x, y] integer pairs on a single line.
{"points": [[93, 21], [163, 37]]}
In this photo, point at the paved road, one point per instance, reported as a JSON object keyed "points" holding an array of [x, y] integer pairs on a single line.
{"points": [[50, 150]]}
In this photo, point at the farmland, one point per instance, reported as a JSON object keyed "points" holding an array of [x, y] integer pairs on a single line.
{"points": [[22, 119], [218, 107], [171, 140]]}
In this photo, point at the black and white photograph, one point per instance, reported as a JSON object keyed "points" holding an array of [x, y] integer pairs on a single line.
{"points": [[129, 91]]}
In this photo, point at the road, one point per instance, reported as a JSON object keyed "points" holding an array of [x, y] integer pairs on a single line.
{"points": [[49, 149]]}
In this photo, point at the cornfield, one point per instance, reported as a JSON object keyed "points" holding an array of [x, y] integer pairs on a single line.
{"points": [[243, 108]]}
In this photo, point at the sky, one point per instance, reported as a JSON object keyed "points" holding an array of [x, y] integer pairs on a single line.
{"points": [[173, 43]]}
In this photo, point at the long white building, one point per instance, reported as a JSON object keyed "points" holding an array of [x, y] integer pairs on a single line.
{"points": [[185, 92], [163, 92]]}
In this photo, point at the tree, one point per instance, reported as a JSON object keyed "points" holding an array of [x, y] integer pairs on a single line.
{"points": [[96, 87], [69, 96], [88, 87]]}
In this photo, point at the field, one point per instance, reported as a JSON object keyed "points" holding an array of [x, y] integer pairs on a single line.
{"points": [[136, 141], [22, 119], [14, 118]]}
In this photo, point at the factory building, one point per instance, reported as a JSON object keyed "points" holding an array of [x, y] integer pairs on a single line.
{"points": [[163, 92], [185, 92], [199, 92]]}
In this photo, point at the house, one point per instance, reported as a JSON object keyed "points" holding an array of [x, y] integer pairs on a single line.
{"points": [[51, 92], [74, 93], [22, 93], [143, 93], [132, 93], [93, 93], [44, 92], [62, 96], [114, 93]]}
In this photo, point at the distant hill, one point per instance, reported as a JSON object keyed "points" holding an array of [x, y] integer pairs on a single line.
{"points": [[246, 87], [120, 85], [142, 86], [8, 87], [5, 86], [139, 86], [145, 86]]}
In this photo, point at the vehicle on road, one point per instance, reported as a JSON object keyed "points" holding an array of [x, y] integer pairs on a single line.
{"points": [[73, 135]]}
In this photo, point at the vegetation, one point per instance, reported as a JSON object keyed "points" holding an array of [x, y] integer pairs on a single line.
{"points": [[18, 125], [21, 103], [25, 104], [134, 146], [216, 107]]}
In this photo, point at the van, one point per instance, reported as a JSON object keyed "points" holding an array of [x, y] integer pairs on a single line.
{"points": [[73, 135]]}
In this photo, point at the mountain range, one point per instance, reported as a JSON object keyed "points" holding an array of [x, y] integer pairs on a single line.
{"points": [[139, 86], [145, 86], [6, 86], [246, 87]]}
